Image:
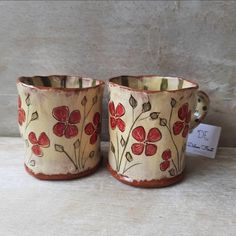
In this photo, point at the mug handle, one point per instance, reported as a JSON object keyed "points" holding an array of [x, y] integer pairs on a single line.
{"points": [[201, 109]]}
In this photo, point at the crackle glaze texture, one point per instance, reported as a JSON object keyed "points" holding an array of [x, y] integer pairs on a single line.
{"points": [[149, 121], [60, 119]]}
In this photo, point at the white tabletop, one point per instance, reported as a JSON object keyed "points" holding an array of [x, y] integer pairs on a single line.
{"points": [[203, 204]]}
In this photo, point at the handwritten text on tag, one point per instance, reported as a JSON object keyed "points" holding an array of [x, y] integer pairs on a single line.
{"points": [[204, 140]]}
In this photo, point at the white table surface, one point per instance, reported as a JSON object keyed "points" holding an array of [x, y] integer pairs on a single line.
{"points": [[203, 204]]}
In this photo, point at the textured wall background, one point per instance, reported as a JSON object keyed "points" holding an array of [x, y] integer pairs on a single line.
{"points": [[191, 39]]}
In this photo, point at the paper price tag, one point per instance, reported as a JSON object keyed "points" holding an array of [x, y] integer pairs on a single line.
{"points": [[204, 140]]}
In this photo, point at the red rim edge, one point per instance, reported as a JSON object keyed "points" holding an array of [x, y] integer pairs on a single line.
{"points": [[68, 176], [146, 183]]}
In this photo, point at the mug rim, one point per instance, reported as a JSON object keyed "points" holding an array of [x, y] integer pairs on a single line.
{"points": [[59, 76], [196, 86]]}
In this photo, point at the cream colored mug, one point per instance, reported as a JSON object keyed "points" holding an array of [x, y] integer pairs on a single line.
{"points": [[60, 121], [149, 121]]}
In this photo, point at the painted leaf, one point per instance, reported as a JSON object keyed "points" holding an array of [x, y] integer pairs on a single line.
{"points": [[173, 102], [122, 141], [27, 143], [112, 148], [164, 84], [59, 148], [84, 101], [172, 172], [133, 102], [91, 154], [95, 99], [32, 162], [27, 100], [154, 115], [77, 144], [147, 106], [145, 87], [163, 121], [128, 157], [34, 116]]}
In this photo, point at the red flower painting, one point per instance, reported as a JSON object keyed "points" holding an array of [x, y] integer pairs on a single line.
{"points": [[21, 112], [182, 126], [115, 116], [66, 121], [145, 141], [166, 155], [42, 142], [94, 128]]}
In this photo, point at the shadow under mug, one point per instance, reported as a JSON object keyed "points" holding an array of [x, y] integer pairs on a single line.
{"points": [[149, 121], [60, 121]]}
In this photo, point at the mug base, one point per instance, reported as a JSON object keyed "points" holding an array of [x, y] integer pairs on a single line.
{"points": [[155, 183], [68, 176]]}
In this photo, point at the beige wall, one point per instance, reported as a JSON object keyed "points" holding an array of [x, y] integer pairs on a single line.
{"points": [[195, 40]]}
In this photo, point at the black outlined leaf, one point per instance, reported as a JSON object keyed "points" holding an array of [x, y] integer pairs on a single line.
{"points": [[122, 141], [91, 154], [84, 101], [77, 144], [112, 148], [59, 148], [173, 102], [128, 156], [172, 172], [163, 122], [27, 100], [133, 102], [147, 106], [34, 116], [154, 115]]}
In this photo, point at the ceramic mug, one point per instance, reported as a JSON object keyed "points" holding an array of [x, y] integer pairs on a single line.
{"points": [[149, 121], [60, 120]]}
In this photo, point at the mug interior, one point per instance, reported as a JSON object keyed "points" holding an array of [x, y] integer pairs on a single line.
{"points": [[59, 81], [153, 83]]}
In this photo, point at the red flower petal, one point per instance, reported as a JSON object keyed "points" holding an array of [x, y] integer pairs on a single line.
{"points": [[89, 129], [19, 102], [59, 129], [183, 111], [32, 138], [150, 149], [71, 131], [164, 165], [74, 117], [120, 124], [185, 131], [111, 107], [21, 116], [188, 118], [139, 133], [113, 122], [43, 140], [120, 110], [61, 113], [178, 127], [154, 135], [96, 118], [137, 148], [166, 154], [93, 138], [37, 150]]}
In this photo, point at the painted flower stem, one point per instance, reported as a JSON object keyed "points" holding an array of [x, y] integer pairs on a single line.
{"points": [[177, 151], [174, 166], [76, 167], [131, 167], [128, 139], [117, 161]]}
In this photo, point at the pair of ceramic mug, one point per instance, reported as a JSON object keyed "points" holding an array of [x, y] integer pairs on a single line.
{"points": [[149, 119]]}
